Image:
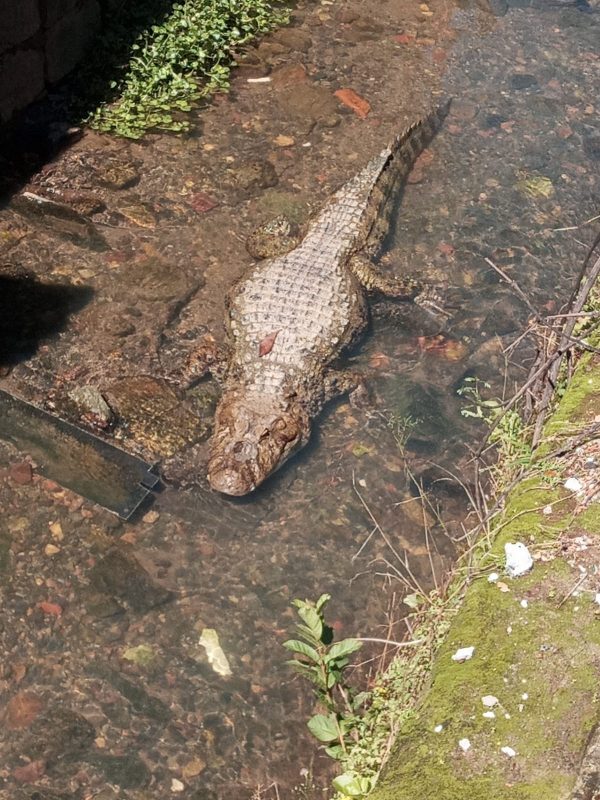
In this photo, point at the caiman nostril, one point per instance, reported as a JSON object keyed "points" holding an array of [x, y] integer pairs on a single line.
{"points": [[230, 481]]}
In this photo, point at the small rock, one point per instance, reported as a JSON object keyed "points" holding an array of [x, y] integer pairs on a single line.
{"points": [[489, 715], [524, 603], [463, 654], [354, 101], [289, 75], [489, 701], [193, 768], [177, 786], [438, 729], [150, 517], [573, 485], [508, 751], [51, 550], [284, 141], [493, 577], [122, 576], [464, 745], [293, 39], [116, 174], [30, 773], [523, 81], [60, 219], [90, 402], [21, 473], [22, 709]]}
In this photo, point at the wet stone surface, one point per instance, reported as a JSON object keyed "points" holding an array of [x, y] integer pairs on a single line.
{"points": [[102, 620]]}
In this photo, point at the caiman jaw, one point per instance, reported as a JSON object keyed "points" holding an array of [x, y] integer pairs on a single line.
{"points": [[250, 443]]}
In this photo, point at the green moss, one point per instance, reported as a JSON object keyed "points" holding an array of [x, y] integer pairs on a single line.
{"points": [[578, 404]]}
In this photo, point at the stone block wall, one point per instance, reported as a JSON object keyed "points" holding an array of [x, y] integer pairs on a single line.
{"points": [[40, 42]]}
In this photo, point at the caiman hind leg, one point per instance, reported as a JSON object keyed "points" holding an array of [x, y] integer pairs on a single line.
{"points": [[399, 287]]}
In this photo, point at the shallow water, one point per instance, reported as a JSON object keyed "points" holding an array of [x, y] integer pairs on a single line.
{"points": [[525, 85]]}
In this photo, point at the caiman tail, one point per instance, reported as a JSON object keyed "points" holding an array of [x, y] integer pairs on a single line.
{"points": [[399, 159]]}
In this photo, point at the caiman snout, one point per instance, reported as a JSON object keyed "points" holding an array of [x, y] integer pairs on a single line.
{"points": [[229, 481], [251, 440]]}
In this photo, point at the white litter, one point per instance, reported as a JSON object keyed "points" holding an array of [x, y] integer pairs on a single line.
{"points": [[597, 598], [509, 629], [524, 696], [547, 510], [524, 603], [464, 745], [508, 751], [463, 654], [493, 577], [209, 639], [258, 80], [573, 485], [489, 715], [489, 701], [438, 729], [518, 559]]}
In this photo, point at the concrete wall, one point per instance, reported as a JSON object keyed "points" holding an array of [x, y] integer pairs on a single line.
{"points": [[40, 42]]}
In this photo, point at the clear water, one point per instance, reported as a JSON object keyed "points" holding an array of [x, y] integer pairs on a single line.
{"points": [[525, 86]]}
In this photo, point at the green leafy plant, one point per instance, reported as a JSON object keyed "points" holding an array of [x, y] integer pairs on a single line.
{"points": [[509, 433], [184, 56], [323, 662]]}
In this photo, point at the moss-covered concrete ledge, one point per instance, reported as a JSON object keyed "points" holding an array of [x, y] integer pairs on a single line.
{"points": [[537, 650]]}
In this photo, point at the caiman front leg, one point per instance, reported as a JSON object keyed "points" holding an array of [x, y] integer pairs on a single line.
{"points": [[203, 358], [400, 288]]}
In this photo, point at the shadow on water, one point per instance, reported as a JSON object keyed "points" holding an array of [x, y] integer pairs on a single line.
{"points": [[43, 130], [31, 311]]}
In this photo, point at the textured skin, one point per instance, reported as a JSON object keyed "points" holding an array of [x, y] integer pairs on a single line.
{"points": [[290, 317]]}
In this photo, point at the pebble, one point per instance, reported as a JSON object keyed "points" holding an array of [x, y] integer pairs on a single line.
{"points": [[463, 654], [177, 786], [21, 473], [508, 751], [489, 701], [573, 485], [464, 745]]}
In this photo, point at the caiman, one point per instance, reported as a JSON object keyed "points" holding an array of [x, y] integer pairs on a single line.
{"points": [[291, 317]]}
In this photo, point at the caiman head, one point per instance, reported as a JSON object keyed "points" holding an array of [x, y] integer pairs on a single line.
{"points": [[253, 436]]}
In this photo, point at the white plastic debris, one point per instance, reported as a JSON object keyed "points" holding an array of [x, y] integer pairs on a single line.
{"points": [[547, 510], [489, 701], [489, 715], [209, 639], [438, 729], [524, 603], [258, 80], [509, 629], [493, 577], [597, 598], [464, 745], [573, 485], [463, 654], [524, 696], [518, 559], [508, 751]]}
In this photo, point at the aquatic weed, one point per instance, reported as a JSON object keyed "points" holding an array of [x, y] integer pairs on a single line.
{"points": [[183, 57]]}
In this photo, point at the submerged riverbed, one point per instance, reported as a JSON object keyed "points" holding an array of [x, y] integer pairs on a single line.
{"points": [[109, 692]]}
